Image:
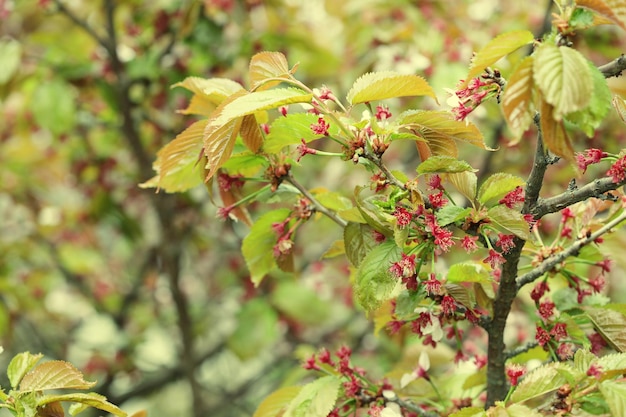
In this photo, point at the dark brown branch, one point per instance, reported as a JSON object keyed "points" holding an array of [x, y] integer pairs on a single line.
{"points": [[613, 68], [595, 189]]}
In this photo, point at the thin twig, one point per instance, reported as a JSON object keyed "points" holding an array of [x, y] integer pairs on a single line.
{"points": [[554, 260], [519, 350], [82, 24], [318, 206]]}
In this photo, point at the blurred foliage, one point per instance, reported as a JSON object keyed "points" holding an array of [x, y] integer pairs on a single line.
{"points": [[147, 293]]}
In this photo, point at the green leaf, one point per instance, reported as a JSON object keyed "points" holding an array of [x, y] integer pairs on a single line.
{"points": [[245, 163], [468, 272], [256, 329], [90, 399], [332, 200], [315, 399], [257, 246], [513, 410], [497, 48], [465, 182], [21, 364], [267, 65], [259, 101], [589, 118], [563, 77], [438, 128], [496, 187], [276, 402], [177, 162], [371, 213], [374, 283], [611, 9], [300, 303], [469, 412], [388, 84], [443, 163], [581, 19], [583, 360], [510, 220], [541, 381], [450, 214], [359, 241], [517, 104], [290, 130], [54, 106], [54, 375], [10, 56], [615, 395], [407, 301], [612, 362], [610, 324], [208, 93]]}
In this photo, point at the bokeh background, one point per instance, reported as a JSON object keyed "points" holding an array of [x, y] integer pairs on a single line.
{"points": [[147, 292]]}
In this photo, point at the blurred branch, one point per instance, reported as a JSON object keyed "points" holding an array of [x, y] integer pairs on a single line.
{"points": [[613, 68], [67, 12]]}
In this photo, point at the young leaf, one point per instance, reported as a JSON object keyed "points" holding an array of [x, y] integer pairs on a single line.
{"points": [[564, 79], [257, 101], [620, 107], [266, 65], [615, 395], [257, 247], [388, 84], [468, 272], [176, 163], [256, 329], [450, 214], [554, 134], [441, 164], [54, 375], [589, 118], [613, 10], [54, 409], [541, 381], [496, 187], [20, 365], [497, 48], [219, 142], [439, 128], [276, 402], [610, 324], [374, 283], [613, 362], [290, 130], [315, 399], [469, 412], [465, 182], [359, 241], [90, 399], [513, 410], [251, 133], [510, 220], [517, 98], [208, 93]]}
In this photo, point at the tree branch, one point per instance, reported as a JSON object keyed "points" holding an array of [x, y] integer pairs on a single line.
{"points": [[318, 206], [83, 25], [613, 68], [554, 260]]}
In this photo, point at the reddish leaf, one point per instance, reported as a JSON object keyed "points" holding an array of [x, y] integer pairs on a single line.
{"points": [[614, 10], [517, 98], [554, 134]]}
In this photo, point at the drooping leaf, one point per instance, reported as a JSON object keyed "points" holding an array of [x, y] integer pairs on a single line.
{"points": [[564, 79], [266, 65], [439, 128], [614, 10], [245, 104], [554, 135], [54, 375], [315, 399], [208, 93], [20, 365], [443, 164], [388, 84], [90, 399], [468, 272], [358, 240], [465, 183], [517, 98], [510, 220], [374, 282], [497, 48], [610, 324], [54, 409], [256, 329], [251, 133], [615, 395], [10, 56], [177, 162], [541, 381], [276, 402], [496, 187], [589, 118], [257, 246], [219, 142]]}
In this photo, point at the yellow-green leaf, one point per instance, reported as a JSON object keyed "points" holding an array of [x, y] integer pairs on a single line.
{"points": [[539, 382], [496, 187], [90, 399], [315, 399], [20, 365], [563, 77], [465, 182], [468, 272], [554, 135], [10, 56], [443, 164], [615, 395], [614, 10], [510, 220], [469, 412], [54, 375], [374, 282], [620, 107], [497, 48], [267, 65], [251, 133], [610, 324], [208, 93], [276, 402], [517, 98], [388, 84], [176, 163]]}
